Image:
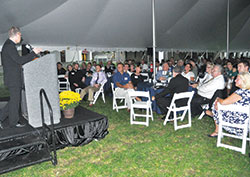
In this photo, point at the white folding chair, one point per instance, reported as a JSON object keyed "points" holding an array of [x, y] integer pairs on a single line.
{"points": [[182, 110], [241, 110], [100, 91], [135, 104], [78, 90], [63, 83], [146, 77], [217, 93], [204, 107], [115, 98]]}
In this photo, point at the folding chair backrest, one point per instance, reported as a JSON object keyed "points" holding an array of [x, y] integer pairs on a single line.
{"points": [[183, 95], [102, 85], [139, 94], [145, 75], [63, 83], [232, 107], [113, 88]]}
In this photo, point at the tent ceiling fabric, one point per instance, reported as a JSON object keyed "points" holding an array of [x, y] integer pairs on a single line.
{"points": [[23, 12], [180, 24]]}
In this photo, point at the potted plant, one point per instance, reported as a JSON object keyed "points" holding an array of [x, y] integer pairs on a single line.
{"points": [[68, 101]]}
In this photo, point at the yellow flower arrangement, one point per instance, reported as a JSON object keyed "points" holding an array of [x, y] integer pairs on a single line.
{"points": [[69, 100]]}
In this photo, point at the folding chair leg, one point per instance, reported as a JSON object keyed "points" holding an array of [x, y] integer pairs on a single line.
{"points": [[103, 97], [201, 116], [151, 112], [131, 117], [175, 121], [147, 118], [166, 119]]}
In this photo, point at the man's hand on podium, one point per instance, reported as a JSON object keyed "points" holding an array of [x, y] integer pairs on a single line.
{"points": [[37, 50]]}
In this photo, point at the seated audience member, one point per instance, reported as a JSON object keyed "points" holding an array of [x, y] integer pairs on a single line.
{"points": [[194, 67], [202, 65], [144, 66], [206, 90], [102, 66], [176, 85], [93, 66], [180, 63], [239, 97], [83, 66], [69, 68], [164, 74], [109, 69], [187, 73], [170, 64], [208, 74], [76, 78], [231, 73], [172, 61], [89, 72], [158, 66], [243, 66], [132, 68], [60, 69], [136, 77], [83, 69], [126, 69], [122, 83], [97, 80]]}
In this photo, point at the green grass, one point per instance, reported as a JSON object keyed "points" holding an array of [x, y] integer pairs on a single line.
{"points": [[136, 150]]}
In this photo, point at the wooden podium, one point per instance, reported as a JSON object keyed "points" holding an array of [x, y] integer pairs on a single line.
{"points": [[38, 74]]}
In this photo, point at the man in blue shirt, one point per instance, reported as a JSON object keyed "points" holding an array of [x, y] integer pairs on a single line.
{"points": [[122, 83]]}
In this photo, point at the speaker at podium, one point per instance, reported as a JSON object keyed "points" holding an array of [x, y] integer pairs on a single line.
{"points": [[40, 74]]}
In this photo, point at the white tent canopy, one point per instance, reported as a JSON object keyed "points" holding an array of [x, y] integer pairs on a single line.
{"points": [[197, 25]]}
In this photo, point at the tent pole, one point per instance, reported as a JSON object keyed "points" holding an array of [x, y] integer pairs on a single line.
{"points": [[153, 16], [228, 29]]}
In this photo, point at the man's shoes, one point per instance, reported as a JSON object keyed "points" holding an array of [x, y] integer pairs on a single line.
{"points": [[170, 116], [91, 104], [164, 117], [20, 125], [1, 125]]}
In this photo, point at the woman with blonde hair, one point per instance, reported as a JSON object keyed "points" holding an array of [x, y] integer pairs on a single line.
{"points": [[239, 97]]}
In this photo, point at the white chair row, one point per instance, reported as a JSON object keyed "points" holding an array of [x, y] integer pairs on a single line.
{"points": [[147, 106]]}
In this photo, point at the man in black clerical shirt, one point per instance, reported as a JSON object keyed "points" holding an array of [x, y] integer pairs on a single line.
{"points": [[177, 84], [76, 78], [12, 70]]}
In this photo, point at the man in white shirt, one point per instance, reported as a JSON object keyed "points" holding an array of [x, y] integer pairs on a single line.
{"points": [[208, 74], [206, 90], [144, 66]]}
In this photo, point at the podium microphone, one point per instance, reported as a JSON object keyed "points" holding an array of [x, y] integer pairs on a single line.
{"points": [[29, 47]]}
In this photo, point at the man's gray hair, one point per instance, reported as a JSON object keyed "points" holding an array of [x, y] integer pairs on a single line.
{"points": [[177, 69], [13, 31], [221, 70]]}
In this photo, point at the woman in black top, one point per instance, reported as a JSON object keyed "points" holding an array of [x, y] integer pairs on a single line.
{"points": [[137, 77]]}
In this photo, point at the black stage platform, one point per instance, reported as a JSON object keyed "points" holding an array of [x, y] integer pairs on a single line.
{"points": [[84, 127]]}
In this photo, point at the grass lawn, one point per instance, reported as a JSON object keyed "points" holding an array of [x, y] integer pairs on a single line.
{"points": [[136, 150]]}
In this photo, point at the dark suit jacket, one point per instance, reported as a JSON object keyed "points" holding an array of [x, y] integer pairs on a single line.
{"points": [[177, 84], [12, 64]]}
